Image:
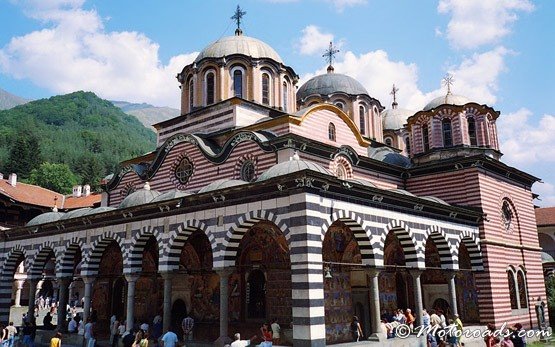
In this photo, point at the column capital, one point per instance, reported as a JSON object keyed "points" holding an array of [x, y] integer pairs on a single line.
{"points": [[88, 279], [19, 283], [132, 277], [64, 280], [226, 271], [415, 272], [449, 274], [373, 271]]}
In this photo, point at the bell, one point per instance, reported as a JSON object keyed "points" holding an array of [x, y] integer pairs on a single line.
{"points": [[328, 273]]}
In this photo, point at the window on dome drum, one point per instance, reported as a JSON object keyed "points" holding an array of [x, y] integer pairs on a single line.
{"points": [[191, 95], [472, 131], [512, 290], [507, 215], [238, 83], [447, 134], [285, 98], [184, 170], [339, 105], [331, 132], [248, 171], [425, 137], [362, 119], [341, 171], [521, 282], [388, 141], [407, 144], [210, 88], [265, 89]]}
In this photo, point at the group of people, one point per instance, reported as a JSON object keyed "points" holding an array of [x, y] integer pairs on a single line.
{"points": [[270, 334], [390, 321], [514, 339], [452, 329]]}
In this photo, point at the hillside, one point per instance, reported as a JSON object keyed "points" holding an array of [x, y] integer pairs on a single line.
{"points": [[147, 114], [85, 132], [8, 100]]}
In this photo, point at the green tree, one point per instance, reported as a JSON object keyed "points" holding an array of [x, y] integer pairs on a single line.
{"points": [[91, 172], [56, 177], [24, 155]]}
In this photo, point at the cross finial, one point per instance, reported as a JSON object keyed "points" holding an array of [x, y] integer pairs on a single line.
{"points": [[237, 17], [329, 54], [448, 81], [394, 91]]}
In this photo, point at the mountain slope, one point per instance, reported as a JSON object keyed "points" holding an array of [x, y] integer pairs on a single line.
{"points": [[147, 114], [78, 129], [8, 100]]}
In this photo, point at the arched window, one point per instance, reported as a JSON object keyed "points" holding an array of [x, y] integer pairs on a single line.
{"points": [[340, 105], [521, 282], [507, 215], [425, 137], [331, 132], [388, 141], [238, 83], [512, 289], [472, 131], [209, 88], [285, 98], [407, 144], [265, 89], [191, 94], [362, 119], [447, 134], [341, 171]]}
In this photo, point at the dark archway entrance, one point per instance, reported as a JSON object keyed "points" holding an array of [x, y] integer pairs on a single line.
{"points": [[104, 302], [179, 311], [256, 295], [395, 283], [467, 295]]}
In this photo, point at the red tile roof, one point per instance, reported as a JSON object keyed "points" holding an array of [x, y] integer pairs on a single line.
{"points": [[545, 216], [30, 194], [72, 202]]}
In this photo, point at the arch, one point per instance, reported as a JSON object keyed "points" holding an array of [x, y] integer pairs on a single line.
{"points": [[471, 125], [332, 135], [522, 287], [191, 91], [362, 118], [425, 137], [92, 260], [209, 86], [169, 258], [448, 258], [64, 265], [39, 260], [132, 260], [473, 248], [266, 89], [355, 222], [285, 91], [447, 132], [414, 255], [9, 265], [238, 76], [12, 260], [235, 234]]}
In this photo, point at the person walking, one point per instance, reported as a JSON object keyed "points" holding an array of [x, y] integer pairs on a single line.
{"points": [[276, 330], [56, 340], [169, 339], [188, 325], [459, 325], [356, 330], [12, 332]]}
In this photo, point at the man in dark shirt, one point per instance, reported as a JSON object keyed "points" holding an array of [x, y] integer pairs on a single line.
{"points": [[128, 339]]}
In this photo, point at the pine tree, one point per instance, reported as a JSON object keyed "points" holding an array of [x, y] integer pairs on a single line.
{"points": [[24, 154]]}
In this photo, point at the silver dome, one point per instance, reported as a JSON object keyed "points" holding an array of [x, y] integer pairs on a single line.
{"points": [[140, 197], [239, 44], [395, 118], [172, 194], [290, 166], [221, 184], [44, 218], [330, 83], [449, 99]]}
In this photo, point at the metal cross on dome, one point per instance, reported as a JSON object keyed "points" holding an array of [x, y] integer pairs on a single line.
{"points": [[237, 17], [394, 91], [448, 81], [330, 54]]}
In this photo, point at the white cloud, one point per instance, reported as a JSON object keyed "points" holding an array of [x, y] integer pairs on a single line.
{"points": [[475, 23], [546, 193], [75, 53], [314, 41]]}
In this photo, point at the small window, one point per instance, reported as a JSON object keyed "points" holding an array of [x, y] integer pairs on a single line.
{"points": [[341, 171], [265, 89], [331, 132], [425, 137], [512, 290], [388, 141], [285, 96], [407, 144], [507, 215], [210, 88], [248, 171], [191, 94], [362, 119], [521, 289], [184, 170], [447, 134], [340, 105], [472, 131], [238, 83]]}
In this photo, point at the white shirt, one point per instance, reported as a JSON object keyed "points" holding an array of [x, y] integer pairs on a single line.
{"points": [[170, 339], [276, 329], [240, 343]]}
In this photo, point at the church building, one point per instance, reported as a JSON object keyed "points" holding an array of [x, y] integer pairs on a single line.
{"points": [[309, 204]]}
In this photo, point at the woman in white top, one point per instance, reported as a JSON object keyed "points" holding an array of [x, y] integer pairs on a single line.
{"points": [[276, 330]]}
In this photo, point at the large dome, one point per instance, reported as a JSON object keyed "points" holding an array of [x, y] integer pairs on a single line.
{"points": [[395, 118], [449, 99], [47, 217], [140, 197], [330, 83], [290, 166], [239, 44]]}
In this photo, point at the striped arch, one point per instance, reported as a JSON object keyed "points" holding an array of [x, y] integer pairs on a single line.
{"points": [[6, 280], [133, 258], [235, 234], [354, 222], [448, 259], [169, 259], [414, 256], [473, 248], [92, 260], [64, 265], [39, 260]]}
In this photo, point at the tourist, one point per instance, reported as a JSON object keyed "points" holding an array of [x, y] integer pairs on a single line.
{"points": [[266, 335], [12, 332], [144, 327], [121, 329], [73, 325], [27, 334], [356, 330], [431, 340], [188, 325], [506, 342], [400, 317], [127, 338], [459, 325], [56, 340], [443, 321], [409, 318], [425, 318], [156, 328], [490, 339], [138, 338], [169, 339], [114, 331], [144, 340], [518, 341], [276, 330], [241, 343], [33, 323], [47, 322], [89, 334], [3, 334]]}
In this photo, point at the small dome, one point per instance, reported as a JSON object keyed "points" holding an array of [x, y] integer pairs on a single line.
{"points": [[395, 118], [76, 213], [401, 191], [172, 194], [362, 182], [99, 210], [44, 218], [449, 99], [221, 184], [140, 197], [434, 199], [546, 258], [330, 83], [238, 44], [389, 156], [290, 166]]}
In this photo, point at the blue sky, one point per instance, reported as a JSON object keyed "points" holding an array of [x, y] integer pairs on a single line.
{"points": [[500, 52]]}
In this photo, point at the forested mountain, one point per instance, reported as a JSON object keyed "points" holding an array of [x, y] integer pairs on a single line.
{"points": [[88, 134], [8, 100], [146, 113]]}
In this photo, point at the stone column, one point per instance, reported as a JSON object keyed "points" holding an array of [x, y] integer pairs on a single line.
{"points": [[377, 334], [32, 296], [168, 276], [224, 305], [18, 288], [131, 280], [450, 276], [415, 273], [89, 281], [62, 302]]}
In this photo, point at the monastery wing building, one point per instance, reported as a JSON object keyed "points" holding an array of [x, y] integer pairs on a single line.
{"points": [[308, 204]]}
